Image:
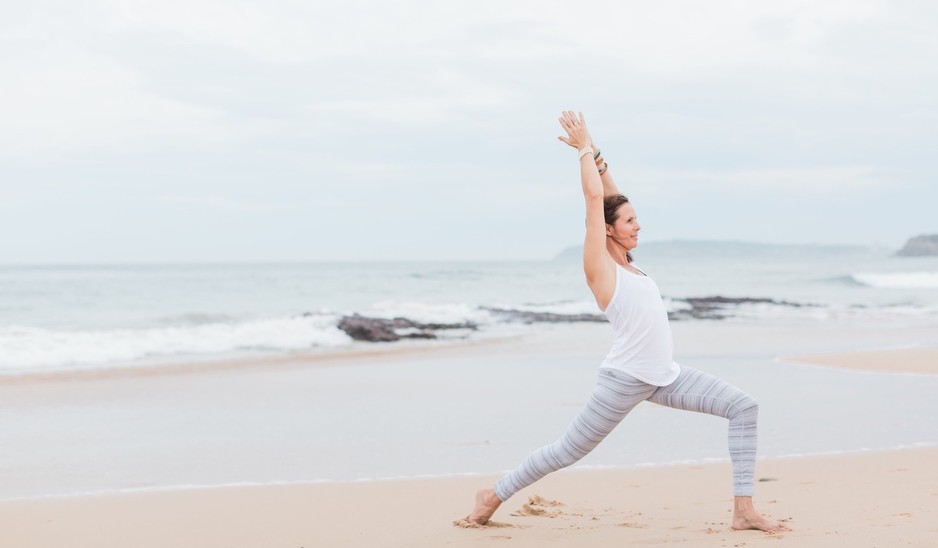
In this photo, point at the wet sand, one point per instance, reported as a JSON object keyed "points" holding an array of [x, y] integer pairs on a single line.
{"points": [[884, 498]]}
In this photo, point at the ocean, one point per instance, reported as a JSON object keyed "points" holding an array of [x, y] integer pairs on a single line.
{"points": [[68, 317]]}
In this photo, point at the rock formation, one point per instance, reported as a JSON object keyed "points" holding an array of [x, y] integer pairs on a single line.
{"points": [[361, 328], [920, 246]]}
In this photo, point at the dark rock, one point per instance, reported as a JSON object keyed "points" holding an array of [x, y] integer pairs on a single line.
{"points": [[925, 245], [713, 308], [362, 328], [525, 316], [368, 329]]}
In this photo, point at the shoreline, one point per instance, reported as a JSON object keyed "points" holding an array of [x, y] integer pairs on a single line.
{"points": [[626, 468], [836, 346], [192, 365], [825, 500]]}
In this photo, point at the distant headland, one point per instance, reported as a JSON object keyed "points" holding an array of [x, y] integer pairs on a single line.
{"points": [[924, 245]]}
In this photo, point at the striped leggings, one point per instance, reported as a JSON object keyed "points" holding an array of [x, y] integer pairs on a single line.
{"points": [[616, 394]]}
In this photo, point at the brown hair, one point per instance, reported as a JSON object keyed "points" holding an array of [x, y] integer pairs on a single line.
{"points": [[611, 205]]}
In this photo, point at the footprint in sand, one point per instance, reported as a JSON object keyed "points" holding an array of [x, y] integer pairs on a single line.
{"points": [[541, 501], [539, 506], [631, 521], [466, 524]]}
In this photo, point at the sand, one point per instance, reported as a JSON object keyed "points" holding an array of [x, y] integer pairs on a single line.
{"points": [[904, 360], [876, 499], [866, 500]]}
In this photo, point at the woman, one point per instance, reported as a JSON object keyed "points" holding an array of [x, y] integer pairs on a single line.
{"points": [[639, 366]]}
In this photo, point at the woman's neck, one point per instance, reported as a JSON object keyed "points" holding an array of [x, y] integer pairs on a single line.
{"points": [[619, 252]]}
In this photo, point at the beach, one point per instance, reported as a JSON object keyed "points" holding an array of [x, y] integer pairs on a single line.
{"points": [[370, 447], [866, 500], [309, 275]]}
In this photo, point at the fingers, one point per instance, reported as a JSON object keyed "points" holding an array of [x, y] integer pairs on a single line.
{"points": [[569, 124], [575, 126], [570, 119]]}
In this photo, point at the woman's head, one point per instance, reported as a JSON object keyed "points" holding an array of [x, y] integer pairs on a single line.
{"points": [[621, 223], [611, 205]]}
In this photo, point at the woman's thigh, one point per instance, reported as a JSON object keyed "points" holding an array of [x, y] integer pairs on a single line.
{"points": [[695, 390]]}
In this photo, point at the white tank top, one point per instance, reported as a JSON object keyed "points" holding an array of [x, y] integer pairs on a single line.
{"points": [[642, 346]]}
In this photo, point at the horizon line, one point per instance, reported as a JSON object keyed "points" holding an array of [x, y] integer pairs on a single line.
{"points": [[296, 261]]}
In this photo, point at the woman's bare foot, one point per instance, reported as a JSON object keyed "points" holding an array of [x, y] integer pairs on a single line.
{"points": [[746, 517], [486, 504]]}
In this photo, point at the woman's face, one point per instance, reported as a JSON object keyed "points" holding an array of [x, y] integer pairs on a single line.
{"points": [[625, 229]]}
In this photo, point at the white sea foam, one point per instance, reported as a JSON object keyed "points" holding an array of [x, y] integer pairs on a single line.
{"points": [[774, 311], [429, 313], [897, 280], [29, 348]]}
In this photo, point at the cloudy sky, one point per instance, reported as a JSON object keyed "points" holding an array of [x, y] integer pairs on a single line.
{"points": [[142, 131]]}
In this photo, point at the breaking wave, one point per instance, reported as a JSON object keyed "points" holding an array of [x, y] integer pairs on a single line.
{"points": [[897, 280]]}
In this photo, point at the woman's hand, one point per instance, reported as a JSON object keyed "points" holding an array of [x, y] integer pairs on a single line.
{"points": [[578, 136]]}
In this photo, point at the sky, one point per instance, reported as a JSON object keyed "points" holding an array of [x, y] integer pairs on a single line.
{"points": [[191, 131]]}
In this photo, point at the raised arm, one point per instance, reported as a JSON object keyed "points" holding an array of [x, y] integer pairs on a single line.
{"points": [[598, 265], [609, 186]]}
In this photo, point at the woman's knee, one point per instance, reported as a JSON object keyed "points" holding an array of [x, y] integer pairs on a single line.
{"points": [[746, 405]]}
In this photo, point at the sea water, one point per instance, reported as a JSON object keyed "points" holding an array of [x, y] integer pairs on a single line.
{"points": [[55, 317]]}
